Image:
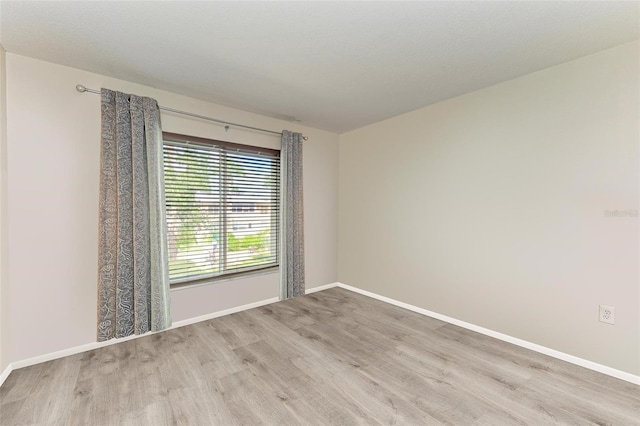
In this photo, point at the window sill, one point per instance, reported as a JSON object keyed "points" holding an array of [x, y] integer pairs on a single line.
{"points": [[224, 278]]}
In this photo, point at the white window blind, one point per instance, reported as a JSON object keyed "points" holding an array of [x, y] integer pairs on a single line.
{"points": [[222, 208]]}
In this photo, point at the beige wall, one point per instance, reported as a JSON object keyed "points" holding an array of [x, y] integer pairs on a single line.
{"points": [[53, 141], [490, 207], [4, 291]]}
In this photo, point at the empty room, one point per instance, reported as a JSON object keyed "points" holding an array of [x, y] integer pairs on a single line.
{"points": [[315, 213]]}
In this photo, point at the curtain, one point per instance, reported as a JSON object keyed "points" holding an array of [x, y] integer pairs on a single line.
{"points": [[292, 217], [133, 274]]}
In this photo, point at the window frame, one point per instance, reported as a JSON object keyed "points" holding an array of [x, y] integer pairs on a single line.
{"points": [[241, 272]]}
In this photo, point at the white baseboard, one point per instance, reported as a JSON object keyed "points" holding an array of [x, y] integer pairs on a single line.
{"points": [[95, 345], [222, 313], [5, 373], [623, 375], [506, 338], [320, 288]]}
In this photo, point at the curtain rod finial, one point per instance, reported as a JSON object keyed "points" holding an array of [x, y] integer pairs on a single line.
{"points": [[80, 88]]}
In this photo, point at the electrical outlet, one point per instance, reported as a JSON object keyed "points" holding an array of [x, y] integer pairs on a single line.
{"points": [[607, 314]]}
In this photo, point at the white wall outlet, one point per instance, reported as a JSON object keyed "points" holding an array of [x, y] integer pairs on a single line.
{"points": [[607, 314]]}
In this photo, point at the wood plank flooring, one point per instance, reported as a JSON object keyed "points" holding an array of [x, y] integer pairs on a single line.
{"points": [[332, 357]]}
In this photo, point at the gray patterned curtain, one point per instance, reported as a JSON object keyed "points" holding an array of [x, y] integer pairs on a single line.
{"points": [[133, 275], [292, 217]]}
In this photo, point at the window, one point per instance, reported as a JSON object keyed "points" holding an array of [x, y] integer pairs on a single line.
{"points": [[222, 208]]}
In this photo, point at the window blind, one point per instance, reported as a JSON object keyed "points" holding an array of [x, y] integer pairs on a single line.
{"points": [[222, 202]]}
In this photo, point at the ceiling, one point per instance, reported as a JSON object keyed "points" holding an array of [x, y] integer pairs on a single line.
{"points": [[331, 65]]}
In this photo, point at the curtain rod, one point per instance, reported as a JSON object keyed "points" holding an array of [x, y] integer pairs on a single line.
{"points": [[80, 88]]}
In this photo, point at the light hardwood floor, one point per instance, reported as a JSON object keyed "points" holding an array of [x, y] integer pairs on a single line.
{"points": [[332, 357]]}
